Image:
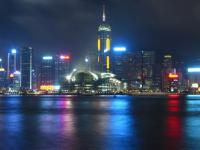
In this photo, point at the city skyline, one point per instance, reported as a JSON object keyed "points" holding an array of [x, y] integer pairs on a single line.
{"points": [[110, 63], [99, 74], [135, 24]]}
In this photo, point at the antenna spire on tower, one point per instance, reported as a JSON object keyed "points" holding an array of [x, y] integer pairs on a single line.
{"points": [[104, 13]]}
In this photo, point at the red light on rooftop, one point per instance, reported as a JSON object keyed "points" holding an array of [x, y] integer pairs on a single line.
{"points": [[173, 76], [65, 57]]}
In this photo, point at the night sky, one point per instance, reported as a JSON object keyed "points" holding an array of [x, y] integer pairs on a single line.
{"points": [[50, 26]]}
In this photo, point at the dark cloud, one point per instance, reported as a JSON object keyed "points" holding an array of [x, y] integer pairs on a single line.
{"points": [[51, 26]]}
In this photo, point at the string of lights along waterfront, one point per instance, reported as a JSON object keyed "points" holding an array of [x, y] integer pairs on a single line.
{"points": [[111, 68]]}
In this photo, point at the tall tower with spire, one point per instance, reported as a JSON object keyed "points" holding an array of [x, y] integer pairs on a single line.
{"points": [[104, 45]]}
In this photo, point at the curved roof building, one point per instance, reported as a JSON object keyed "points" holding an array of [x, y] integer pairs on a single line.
{"points": [[87, 81]]}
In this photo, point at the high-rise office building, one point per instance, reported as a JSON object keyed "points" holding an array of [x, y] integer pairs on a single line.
{"points": [[173, 82], [166, 69], [2, 75], [143, 64], [135, 68], [1, 63], [62, 68], [47, 71], [181, 70], [12, 62], [13, 75], [148, 63], [167, 63], [121, 63], [16, 80], [26, 67], [104, 46]]}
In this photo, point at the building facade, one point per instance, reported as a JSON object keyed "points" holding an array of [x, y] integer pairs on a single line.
{"points": [[12, 62], [121, 64], [26, 67], [3, 77], [104, 46], [62, 68], [143, 69], [167, 68], [47, 71]]}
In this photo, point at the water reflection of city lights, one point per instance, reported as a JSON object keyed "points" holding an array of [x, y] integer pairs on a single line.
{"points": [[173, 105], [173, 128], [46, 104], [193, 105], [67, 125], [13, 122], [173, 95], [121, 125], [116, 130], [65, 103], [47, 122], [119, 104], [193, 97]]}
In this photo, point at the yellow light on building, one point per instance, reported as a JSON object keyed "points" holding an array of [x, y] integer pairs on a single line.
{"points": [[108, 44], [99, 44], [47, 87], [98, 59], [108, 62], [2, 69]]}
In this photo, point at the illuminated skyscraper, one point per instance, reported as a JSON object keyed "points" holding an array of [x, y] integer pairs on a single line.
{"points": [[12, 62], [62, 68], [13, 75], [120, 63], [2, 75], [167, 63], [143, 69], [104, 45], [26, 67], [47, 71], [147, 70], [166, 69]]}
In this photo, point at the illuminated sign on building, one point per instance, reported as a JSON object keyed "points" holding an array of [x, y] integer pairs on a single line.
{"points": [[14, 51], [104, 28], [46, 87], [120, 49], [167, 56], [173, 76], [193, 70], [47, 58], [49, 87], [2, 69], [195, 85], [65, 57]]}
